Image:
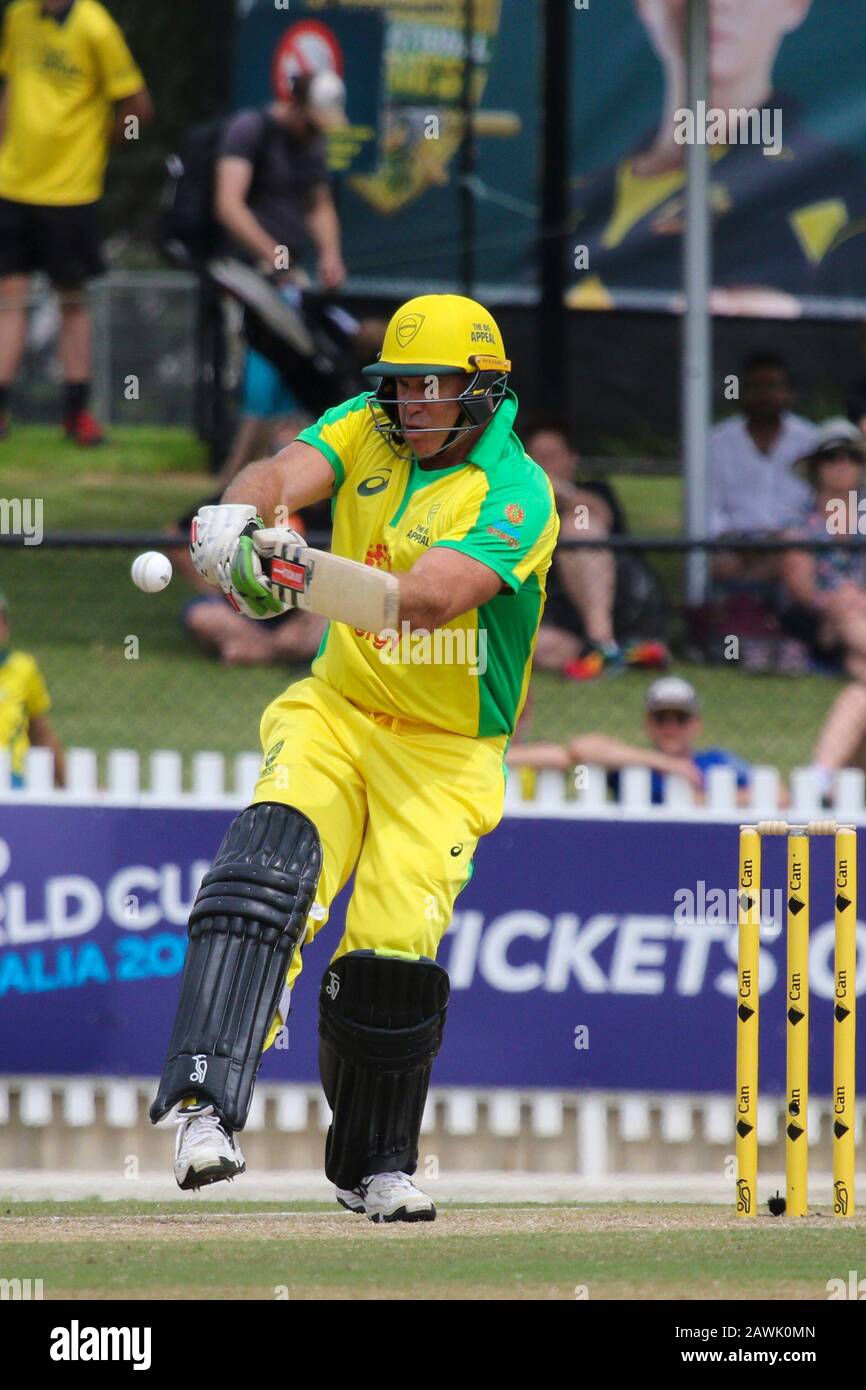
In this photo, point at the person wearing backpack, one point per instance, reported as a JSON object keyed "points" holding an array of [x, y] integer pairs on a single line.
{"points": [[271, 195]]}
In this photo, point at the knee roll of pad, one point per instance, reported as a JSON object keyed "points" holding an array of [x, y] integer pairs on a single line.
{"points": [[249, 916], [381, 1019]]}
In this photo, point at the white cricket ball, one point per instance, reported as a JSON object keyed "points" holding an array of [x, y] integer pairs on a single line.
{"points": [[151, 572]]}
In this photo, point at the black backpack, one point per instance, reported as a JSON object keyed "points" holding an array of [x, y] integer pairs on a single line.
{"points": [[189, 233], [319, 381], [188, 229]]}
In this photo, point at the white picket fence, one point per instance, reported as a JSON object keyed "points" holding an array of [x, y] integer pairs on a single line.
{"points": [[211, 780], [594, 1124]]}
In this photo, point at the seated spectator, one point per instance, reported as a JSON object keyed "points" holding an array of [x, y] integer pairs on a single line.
{"points": [[841, 741], [604, 609], [823, 601], [754, 490], [855, 406], [24, 706], [673, 726], [289, 638]]}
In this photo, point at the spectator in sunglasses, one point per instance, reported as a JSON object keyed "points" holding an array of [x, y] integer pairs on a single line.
{"points": [[673, 725]]}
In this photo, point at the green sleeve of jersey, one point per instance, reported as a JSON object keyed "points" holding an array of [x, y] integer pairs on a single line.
{"points": [[514, 528]]}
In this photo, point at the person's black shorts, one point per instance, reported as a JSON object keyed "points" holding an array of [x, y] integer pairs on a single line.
{"points": [[804, 623], [62, 241]]}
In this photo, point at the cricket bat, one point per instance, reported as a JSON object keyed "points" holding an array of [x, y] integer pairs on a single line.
{"points": [[330, 585]]}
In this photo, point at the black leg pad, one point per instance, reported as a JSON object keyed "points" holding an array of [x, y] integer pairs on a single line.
{"points": [[250, 914], [381, 1019]]}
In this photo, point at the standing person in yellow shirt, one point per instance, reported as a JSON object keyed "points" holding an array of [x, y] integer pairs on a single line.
{"points": [[71, 84], [24, 706]]}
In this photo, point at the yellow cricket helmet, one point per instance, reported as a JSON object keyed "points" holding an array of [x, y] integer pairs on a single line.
{"points": [[438, 335]]}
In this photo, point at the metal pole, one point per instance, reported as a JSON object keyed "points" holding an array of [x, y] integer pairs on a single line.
{"points": [[697, 352], [555, 157], [468, 156]]}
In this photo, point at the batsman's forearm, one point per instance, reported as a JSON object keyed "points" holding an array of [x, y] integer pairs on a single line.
{"points": [[422, 603], [259, 485]]}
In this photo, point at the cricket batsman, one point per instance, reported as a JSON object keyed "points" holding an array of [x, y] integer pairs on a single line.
{"points": [[386, 762]]}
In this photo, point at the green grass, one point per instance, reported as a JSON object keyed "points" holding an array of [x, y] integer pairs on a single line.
{"points": [[37, 453], [249, 1250], [75, 609]]}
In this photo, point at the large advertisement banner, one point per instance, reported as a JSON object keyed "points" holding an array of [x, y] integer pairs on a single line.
{"points": [[785, 125], [277, 44], [583, 954], [400, 208], [784, 122]]}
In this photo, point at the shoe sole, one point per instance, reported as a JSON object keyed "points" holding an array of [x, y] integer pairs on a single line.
{"points": [[203, 1177], [403, 1214]]}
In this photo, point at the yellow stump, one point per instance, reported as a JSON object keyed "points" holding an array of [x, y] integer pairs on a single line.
{"points": [[748, 950], [844, 1020], [797, 1028]]}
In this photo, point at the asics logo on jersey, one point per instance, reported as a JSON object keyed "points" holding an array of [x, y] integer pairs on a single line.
{"points": [[375, 483]]}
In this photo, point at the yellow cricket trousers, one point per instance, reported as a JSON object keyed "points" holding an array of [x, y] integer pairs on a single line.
{"points": [[400, 804]]}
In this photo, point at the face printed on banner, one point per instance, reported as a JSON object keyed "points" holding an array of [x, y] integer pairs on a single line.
{"points": [[744, 34]]}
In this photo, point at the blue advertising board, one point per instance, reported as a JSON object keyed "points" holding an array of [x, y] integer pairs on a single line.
{"points": [[595, 954]]}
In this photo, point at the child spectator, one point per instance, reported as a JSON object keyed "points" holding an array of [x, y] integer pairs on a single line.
{"points": [[24, 706]]}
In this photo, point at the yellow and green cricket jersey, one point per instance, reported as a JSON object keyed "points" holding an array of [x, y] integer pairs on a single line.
{"points": [[471, 676], [22, 697], [63, 75]]}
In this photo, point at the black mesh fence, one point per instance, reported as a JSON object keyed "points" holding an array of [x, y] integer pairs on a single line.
{"points": [[145, 672]]}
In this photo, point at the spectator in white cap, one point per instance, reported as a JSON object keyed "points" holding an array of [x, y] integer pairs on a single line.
{"points": [[673, 725], [823, 601]]}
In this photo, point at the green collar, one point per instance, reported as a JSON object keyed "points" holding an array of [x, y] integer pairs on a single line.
{"points": [[489, 448]]}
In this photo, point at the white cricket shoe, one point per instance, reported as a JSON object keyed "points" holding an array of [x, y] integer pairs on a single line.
{"points": [[205, 1151], [352, 1199], [394, 1197]]}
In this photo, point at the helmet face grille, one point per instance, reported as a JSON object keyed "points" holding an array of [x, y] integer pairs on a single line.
{"points": [[478, 402]]}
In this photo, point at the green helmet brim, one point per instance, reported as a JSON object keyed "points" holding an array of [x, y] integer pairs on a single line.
{"points": [[412, 369]]}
